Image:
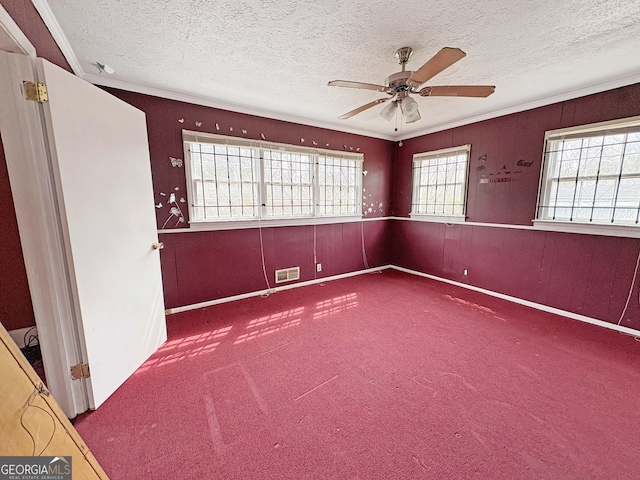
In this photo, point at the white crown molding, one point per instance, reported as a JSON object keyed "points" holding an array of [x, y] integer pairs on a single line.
{"points": [[208, 102], [43, 8], [570, 95], [213, 103], [13, 32]]}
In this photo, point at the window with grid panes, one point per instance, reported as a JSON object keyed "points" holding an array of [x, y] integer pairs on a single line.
{"points": [[237, 179], [591, 175], [288, 182], [224, 181], [338, 185], [440, 183]]}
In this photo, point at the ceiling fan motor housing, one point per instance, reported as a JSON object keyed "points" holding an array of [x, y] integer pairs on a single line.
{"points": [[399, 81]]}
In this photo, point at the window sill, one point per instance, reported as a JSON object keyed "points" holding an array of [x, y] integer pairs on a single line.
{"points": [[273, 222], [631, 231], [425, 217]]}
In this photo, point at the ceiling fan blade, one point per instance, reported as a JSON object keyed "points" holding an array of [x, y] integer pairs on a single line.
{"points": [[441, 60], [362, 108], [366, 86], [458, 91]]}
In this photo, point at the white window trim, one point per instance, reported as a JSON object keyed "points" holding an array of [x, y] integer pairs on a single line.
{"points": [[609, 125], [417, 157], [614, 230], [231, 224], [630, 231], [429, 217], [272, 222]]}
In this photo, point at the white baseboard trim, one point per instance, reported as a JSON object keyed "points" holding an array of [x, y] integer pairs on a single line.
{"points": [[527, 303], [538, 306], [18, 335], [273, 290]]}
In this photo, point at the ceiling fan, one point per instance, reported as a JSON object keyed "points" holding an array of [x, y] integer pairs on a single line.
{"points": [[402, 84]]}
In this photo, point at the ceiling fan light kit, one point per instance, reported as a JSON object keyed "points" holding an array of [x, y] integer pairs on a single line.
{"points": [[410, 110], [389, 111], [402, 84]]}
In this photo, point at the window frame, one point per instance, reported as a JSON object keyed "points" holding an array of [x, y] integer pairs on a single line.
{"points": [[618, 126], [265, 191], [434, 154], [262, 219], [318, 187], [191, 181]]}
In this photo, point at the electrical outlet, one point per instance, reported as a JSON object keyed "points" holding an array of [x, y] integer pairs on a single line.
{"points": [[466, 272], [319, 267]]}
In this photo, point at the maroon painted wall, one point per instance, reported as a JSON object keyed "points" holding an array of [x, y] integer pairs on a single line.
{"points": [[203, 266], [586, 274], [16, 310], [198, 267]]}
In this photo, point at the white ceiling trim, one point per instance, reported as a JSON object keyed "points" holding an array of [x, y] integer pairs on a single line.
{"points": [[600, 87], [208, 102], [60, 38], [43, 8]]}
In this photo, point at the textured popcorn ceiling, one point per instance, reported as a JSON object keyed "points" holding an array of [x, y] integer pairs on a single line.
{"points": [[274, 58]]}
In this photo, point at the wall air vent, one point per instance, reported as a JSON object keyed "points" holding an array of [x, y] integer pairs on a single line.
{"points": [[287, 274]]}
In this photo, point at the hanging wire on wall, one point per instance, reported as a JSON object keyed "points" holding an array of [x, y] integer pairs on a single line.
{"points": [[626, 305], [264, 267], [364, 252]]}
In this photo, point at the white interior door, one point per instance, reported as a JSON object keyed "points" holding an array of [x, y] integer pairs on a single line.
{"points": [[100, 158], [84, 203]]}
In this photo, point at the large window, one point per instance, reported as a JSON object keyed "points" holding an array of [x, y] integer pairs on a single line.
{"points": [[440, 183], [232, 179], [591, 175], [338, 184], [224, 181], [288, 183]]}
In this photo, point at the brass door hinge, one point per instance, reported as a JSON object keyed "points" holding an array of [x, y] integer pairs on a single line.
{"points": [[80, 370], [36, 92]]}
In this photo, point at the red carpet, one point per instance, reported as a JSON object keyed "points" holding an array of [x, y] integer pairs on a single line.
{"points": [[381, 376]]}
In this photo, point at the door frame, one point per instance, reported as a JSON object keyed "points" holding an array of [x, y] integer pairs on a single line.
{"points": [[39, 223], [13, 40]]}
